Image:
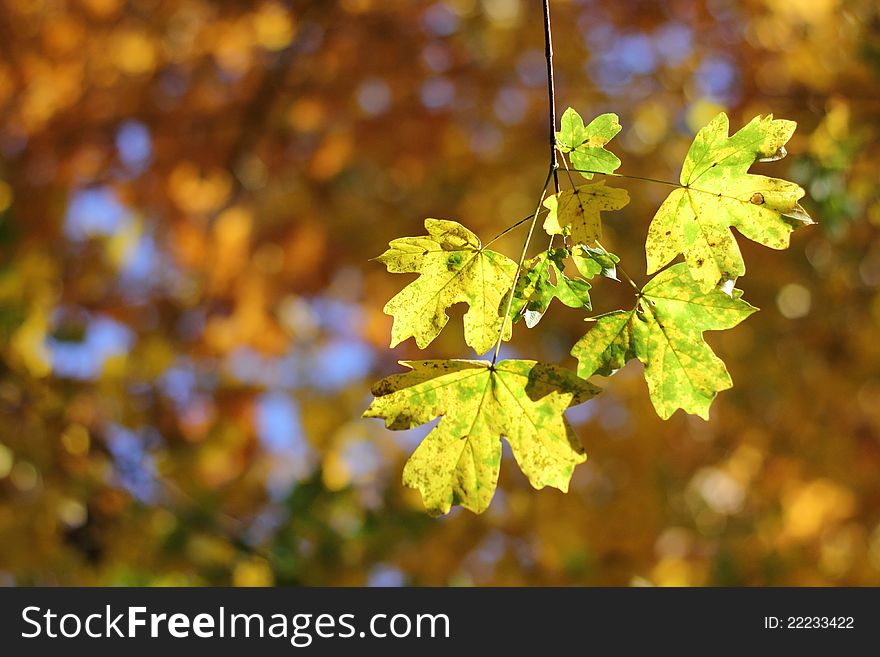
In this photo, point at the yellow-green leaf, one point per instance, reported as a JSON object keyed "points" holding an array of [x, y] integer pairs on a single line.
{"points": [[458, 461], [594, 260], [718, 193], [665, 332], [454, 268], [576, 211], [535, 290], [586, 144]]}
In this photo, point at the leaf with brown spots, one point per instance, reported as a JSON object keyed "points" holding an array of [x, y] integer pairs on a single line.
{"points": [[665, 332], [717, 193], [576, 212], [454, 268], [459, 460], [543, 278]]}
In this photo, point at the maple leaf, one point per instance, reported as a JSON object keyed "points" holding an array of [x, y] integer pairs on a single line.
{"points": [[585, 144], [454, 268], [575, 212], [594, 260], [536, 288], [459, 460], [718, 193], [665, 332]]}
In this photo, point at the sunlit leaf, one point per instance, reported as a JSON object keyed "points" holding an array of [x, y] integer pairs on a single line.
{"points": [[593, 261], [542, 280], [719, 193], [459, 460], [575, 212], [585, 145], [665, 332], [453, 268]]}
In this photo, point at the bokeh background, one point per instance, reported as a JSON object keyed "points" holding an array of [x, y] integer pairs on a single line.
{"points": [[190, 191]]}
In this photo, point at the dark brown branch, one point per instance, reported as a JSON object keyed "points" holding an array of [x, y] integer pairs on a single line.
{"points": [[551, 92]]}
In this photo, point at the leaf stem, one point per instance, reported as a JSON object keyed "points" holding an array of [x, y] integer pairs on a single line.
{"points": [[624, 175], [522, 259], [619, 268], [511, 227]]}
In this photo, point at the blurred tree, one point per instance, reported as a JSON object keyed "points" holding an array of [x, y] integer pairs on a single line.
{"points": [[190, 191]]}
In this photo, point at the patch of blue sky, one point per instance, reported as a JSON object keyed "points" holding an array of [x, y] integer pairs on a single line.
{"points": [[583, 413], [144, 270], [337, 317], [439, 20], [94, 212], [104, 338], [339, 362], [133, 466], [134, 146], [180, 382], [278, 422], [613, 68], [327, 367], [384, 575], [674, 42], [506, 352], [279, 428], [249, 367], [636, 53], [717, 78], [363, 460], [407, 439], [437, 93]]}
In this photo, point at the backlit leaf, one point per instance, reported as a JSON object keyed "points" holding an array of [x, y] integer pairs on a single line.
{"points": [[719, 193], [594, 260], [453, 268], [585, 145], [542, 280], [665, 332], [459, 460], [575, 212]]}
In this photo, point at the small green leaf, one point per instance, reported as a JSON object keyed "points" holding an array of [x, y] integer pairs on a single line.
{"points": [[459, 460], [665, 332], [575, 212], [719, 193], [585, 144], [454, 268], [594, 260], [536, 288]]}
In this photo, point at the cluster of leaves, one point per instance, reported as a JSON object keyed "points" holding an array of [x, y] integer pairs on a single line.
{"points": [[523, 401]]}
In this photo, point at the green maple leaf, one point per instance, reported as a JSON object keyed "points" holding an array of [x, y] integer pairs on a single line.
{"points": [[454, 268], [536, 288], [665, 332], [575, 212], [459, 460], [594, 260], [585, 144], [718, 193]]}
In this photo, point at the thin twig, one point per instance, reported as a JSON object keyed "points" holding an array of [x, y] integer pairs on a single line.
{"points": [[618, 267], [522, 259], [554, 172], [551, 93]]}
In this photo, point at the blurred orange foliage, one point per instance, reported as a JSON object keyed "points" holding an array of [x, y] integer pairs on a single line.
{"points": [[190, 192]]}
